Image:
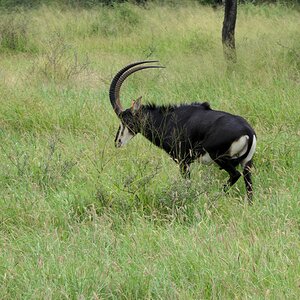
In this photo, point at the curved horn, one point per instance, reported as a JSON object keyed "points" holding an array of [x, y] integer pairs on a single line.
{"points": [[116, 83]]}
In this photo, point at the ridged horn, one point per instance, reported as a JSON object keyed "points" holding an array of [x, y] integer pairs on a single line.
{"points": [[116, 83]]}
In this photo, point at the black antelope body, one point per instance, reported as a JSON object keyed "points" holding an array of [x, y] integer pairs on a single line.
{"points": [[187, 132]]}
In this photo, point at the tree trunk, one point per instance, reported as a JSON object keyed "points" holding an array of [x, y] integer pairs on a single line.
{"points": [[228, 30]]}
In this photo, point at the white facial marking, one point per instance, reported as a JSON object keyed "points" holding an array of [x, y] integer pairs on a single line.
{"points": [[124, 136], [251, 152], [239, 147]]}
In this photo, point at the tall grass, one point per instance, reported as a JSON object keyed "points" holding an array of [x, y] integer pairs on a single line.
{"points": [[83, 220]]}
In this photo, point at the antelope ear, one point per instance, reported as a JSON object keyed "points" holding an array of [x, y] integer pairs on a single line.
{"points": [[136, 104]]}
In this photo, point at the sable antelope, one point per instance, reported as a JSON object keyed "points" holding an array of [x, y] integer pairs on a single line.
{"points": [[187, 132]]}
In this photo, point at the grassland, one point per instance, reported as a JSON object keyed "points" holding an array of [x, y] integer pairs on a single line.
{"points": [[80, 219]]}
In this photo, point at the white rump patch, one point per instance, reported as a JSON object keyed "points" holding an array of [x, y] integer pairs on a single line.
{"points": [[239, 147], [251, 152]]}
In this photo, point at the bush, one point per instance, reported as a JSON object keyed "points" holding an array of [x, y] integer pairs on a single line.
{"points": [[123, 20], [91, 3], [61, 61], [75, 3], [14, 33]]}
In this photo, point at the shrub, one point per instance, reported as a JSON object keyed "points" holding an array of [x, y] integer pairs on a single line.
{"points": [[61, 61], [14, 33], [92, 3], [123, 19]]}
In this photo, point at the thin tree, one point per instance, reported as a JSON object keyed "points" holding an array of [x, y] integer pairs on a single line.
{"points": [[228, 39]]}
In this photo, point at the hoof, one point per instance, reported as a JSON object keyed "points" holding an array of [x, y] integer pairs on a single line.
{"points": [[226, 188]]}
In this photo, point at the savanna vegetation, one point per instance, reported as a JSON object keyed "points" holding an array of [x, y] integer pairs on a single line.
{"points": [[13, 4], [80, 219]]}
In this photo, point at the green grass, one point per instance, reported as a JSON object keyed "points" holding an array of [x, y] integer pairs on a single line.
{"points": [[80, 219]]}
